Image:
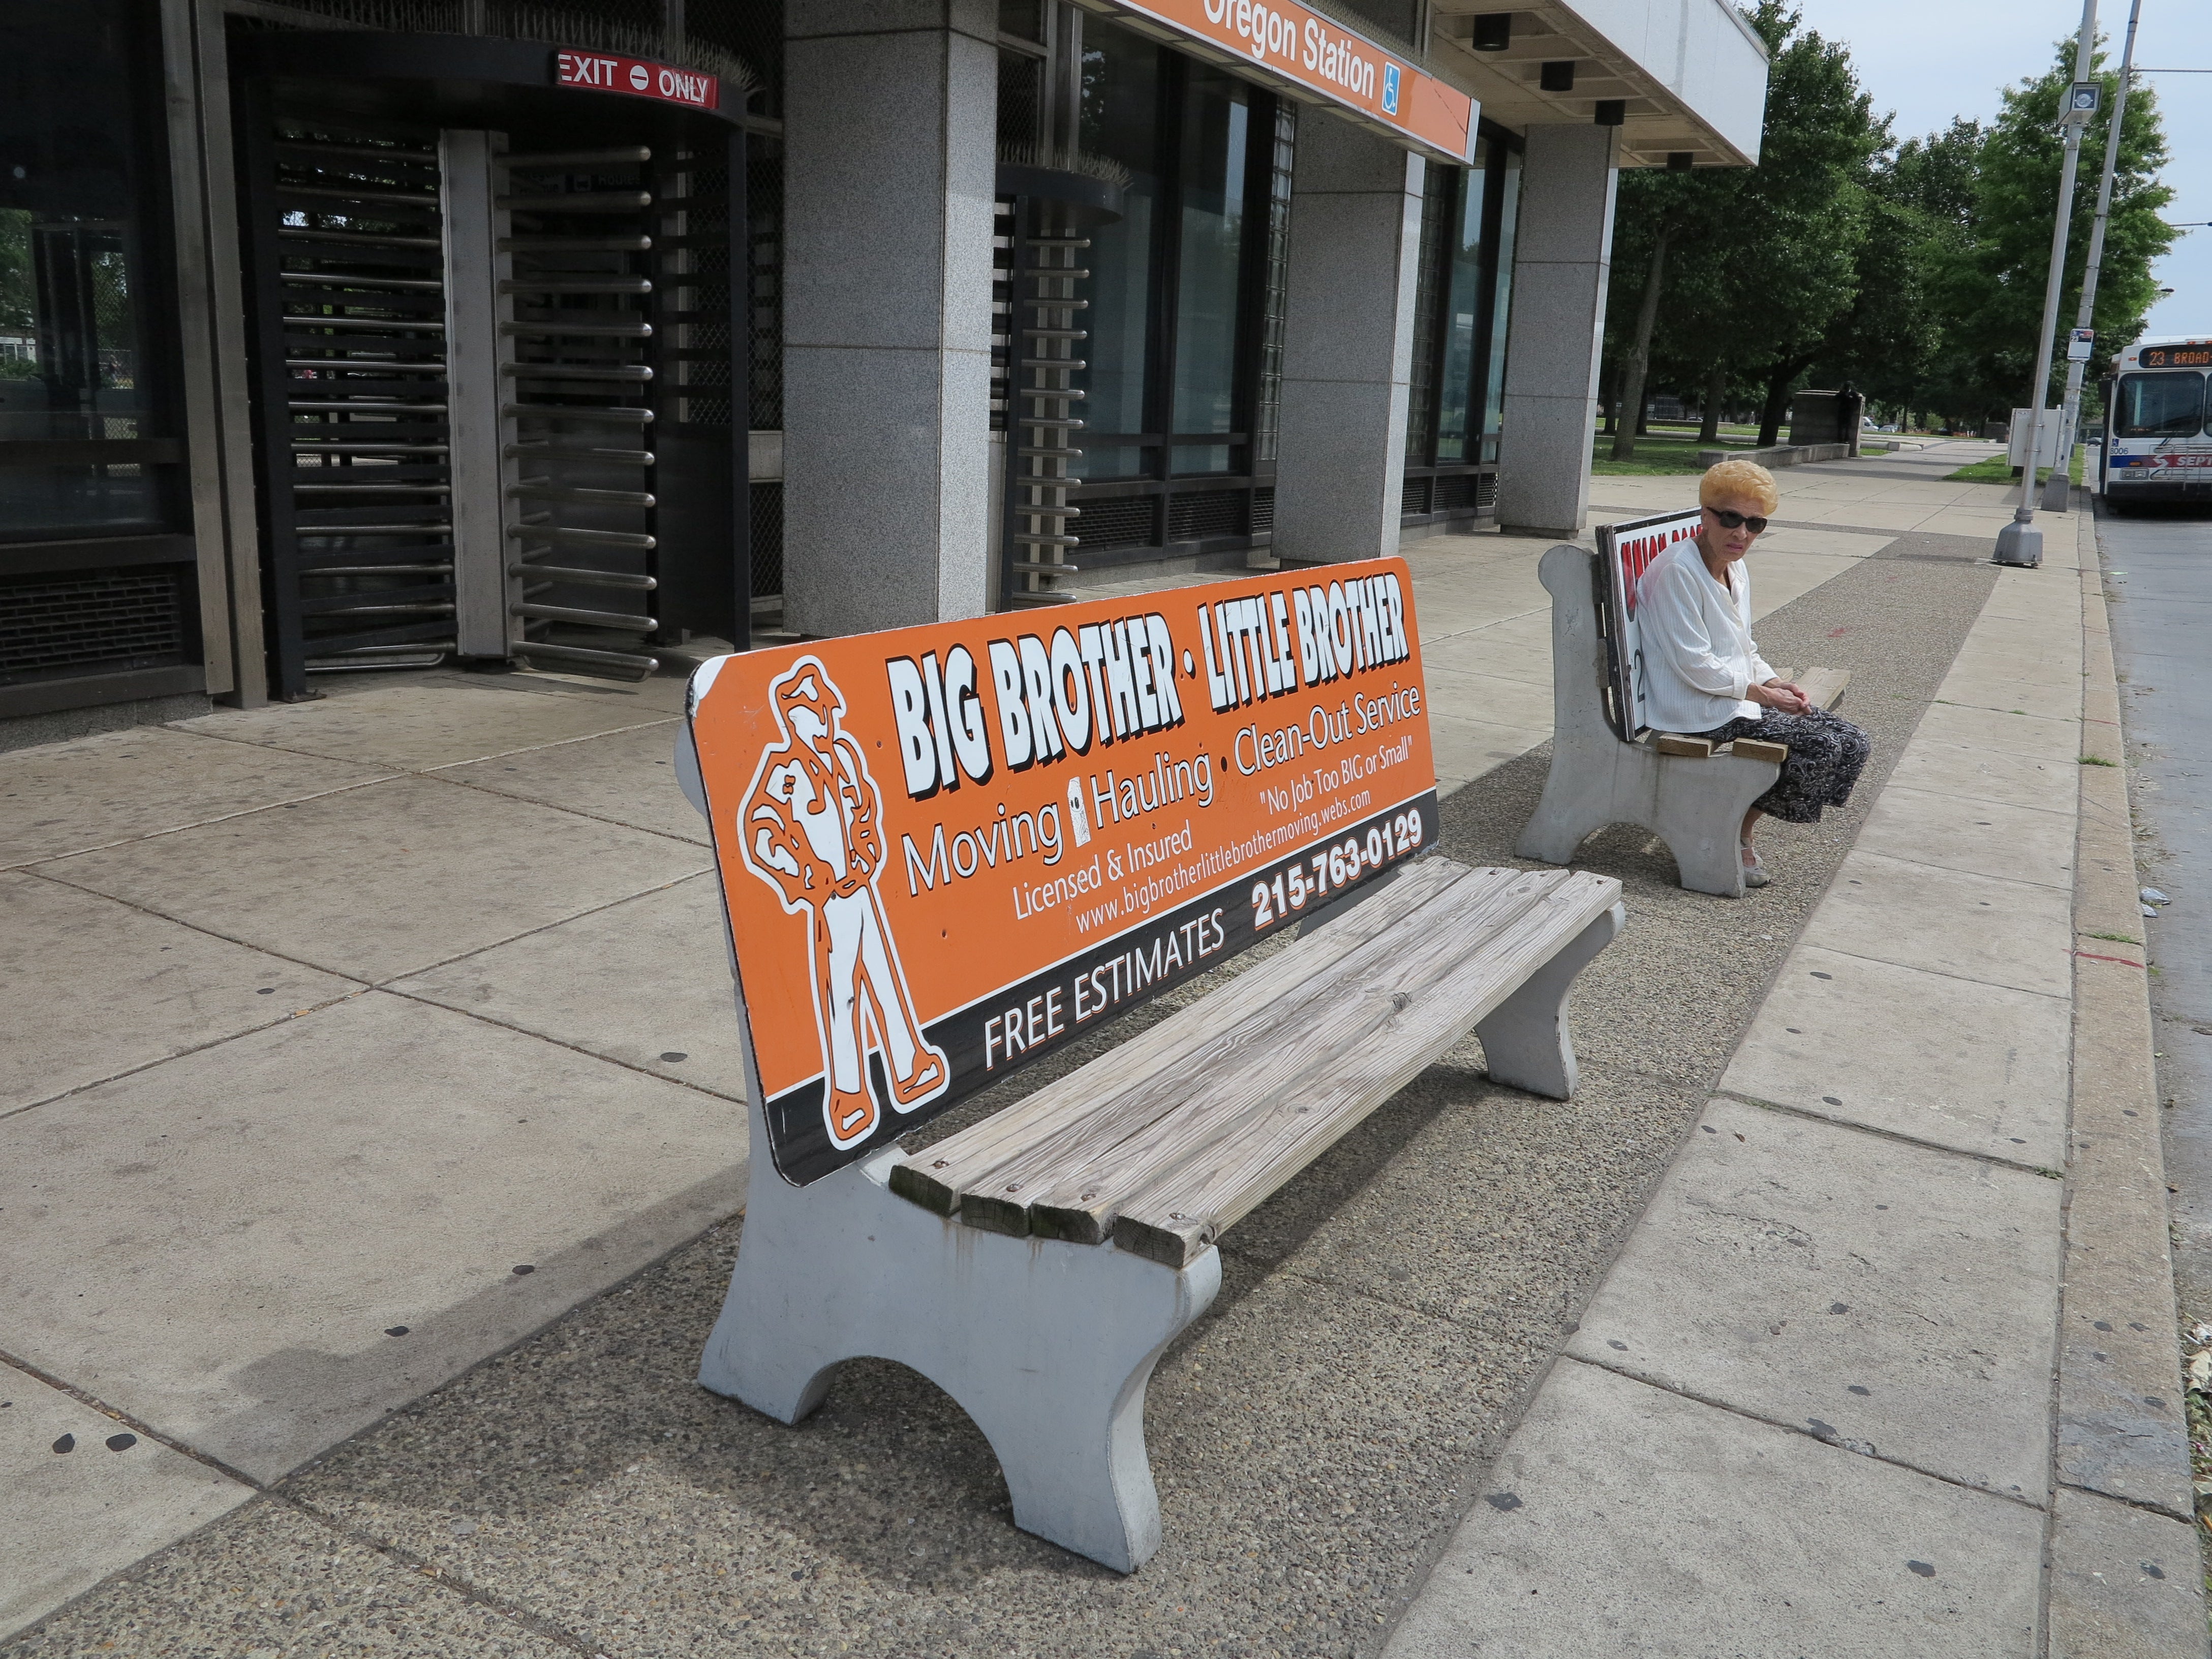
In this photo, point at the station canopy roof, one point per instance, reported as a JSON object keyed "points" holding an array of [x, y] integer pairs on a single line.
{"points": [[1691, 73]]}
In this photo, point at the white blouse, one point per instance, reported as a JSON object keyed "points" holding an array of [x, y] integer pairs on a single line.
{"points": [[1695, 639]]}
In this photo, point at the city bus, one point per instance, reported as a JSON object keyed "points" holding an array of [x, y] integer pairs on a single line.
{"points": [[2158, 423]]}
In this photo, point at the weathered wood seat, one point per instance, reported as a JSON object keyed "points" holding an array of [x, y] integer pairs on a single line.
{"points": [[1690, 792], [1170, 1140]]}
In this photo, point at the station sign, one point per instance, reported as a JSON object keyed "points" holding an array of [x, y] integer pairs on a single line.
{"points": [[1311, 50], [637, 78], [948, 851]]}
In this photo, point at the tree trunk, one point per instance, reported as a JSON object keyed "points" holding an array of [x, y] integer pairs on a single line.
{"points": [[1777, 404], [1709, 429], [1632, 370]]}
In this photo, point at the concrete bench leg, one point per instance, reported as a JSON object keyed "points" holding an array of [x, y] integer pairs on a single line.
{"points": [[1698, 809], [1526, 1038], [1046, 1346]]}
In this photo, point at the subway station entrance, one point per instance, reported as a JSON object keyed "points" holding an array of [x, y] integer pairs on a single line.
{"points": [[497, 352]]}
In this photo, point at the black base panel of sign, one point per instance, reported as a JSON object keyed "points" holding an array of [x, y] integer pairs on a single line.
{"points": [[1205, 931]]}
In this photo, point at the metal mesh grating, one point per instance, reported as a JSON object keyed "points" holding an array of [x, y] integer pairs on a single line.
{"points": [[53, 624], [767, 539], [1263, 512], [1218, 512], [1124, 521], [1459, 492], [753, 30], [1415, 498], [1021, 99], [764, 206]]}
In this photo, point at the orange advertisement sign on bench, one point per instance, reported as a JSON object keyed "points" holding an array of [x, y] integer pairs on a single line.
{"points": [[947, 851]]}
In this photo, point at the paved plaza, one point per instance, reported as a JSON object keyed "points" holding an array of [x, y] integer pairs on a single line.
{"points": [[363, 1252]]}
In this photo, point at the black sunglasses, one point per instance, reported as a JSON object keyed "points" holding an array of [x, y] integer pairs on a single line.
{"points": [[1737, 521]]}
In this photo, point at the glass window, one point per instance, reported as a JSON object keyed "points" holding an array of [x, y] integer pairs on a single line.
{"points": [[1439, 190], [1120, 121], [1463, 306], [76, 157], [2160, 406], [1216, 130]]}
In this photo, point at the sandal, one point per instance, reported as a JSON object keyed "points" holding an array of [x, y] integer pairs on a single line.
{"points": [[1754, 872]]}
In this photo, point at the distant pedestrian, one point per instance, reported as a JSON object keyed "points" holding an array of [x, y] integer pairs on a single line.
{"points": [[1703, 674]]}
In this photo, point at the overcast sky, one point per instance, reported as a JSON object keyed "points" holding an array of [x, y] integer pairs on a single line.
{"points": [[1930, 60]]}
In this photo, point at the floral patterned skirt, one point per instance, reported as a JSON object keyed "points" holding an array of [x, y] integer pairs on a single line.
{"points": [[1826, 755]]}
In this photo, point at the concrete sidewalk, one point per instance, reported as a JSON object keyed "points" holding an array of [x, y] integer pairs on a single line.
{"points": [[1888, 1366], [443, 1052]]}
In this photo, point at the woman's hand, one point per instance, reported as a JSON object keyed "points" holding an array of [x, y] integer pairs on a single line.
{"points": [[1781, 697]]}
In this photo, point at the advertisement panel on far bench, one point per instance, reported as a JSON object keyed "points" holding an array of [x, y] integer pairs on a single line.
{"points": [[947, 851], [1625, 552]]}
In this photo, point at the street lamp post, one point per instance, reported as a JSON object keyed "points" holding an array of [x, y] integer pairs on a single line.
{"points": [[2058, 494], [2020, 542]]}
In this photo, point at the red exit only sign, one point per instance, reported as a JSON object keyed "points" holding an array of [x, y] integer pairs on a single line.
{"points": [[640, 77]]}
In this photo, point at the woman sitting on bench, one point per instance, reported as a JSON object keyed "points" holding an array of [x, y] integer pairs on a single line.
{"points": [[1703, 676]]}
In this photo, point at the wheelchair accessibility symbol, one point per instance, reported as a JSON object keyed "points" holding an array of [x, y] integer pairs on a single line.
{"points": [[1390, 88]]}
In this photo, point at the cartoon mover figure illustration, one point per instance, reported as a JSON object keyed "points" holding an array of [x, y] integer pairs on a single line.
{"points": [[813, 831]]}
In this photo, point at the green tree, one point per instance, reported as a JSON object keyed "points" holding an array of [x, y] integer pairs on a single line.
{"points": [[1655, 213], [1991, 282]]}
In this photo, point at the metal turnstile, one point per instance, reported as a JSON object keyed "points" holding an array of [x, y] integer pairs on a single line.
{"points": [[497, 414]]}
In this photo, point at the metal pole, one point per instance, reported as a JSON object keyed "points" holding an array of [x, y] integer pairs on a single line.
{"points": [[2021, 541], [2058, 494]]}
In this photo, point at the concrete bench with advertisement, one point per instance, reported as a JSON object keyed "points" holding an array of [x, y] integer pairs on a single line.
{"points": [[947, 851], [1608, 766]]}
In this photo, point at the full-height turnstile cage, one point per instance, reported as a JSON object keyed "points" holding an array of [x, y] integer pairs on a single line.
{"points": [[500, 383]]}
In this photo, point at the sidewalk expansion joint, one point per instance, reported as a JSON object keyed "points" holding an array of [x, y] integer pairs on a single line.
{"points": [[1895, 1135], [530, 933], [1853, 1448], [423, 771], [143, 1430], [1934, 973], [179, 1054], [144, 908], [559, 1043], [31, 867], [558, 806], [537, 1624], [2147, 1505]]}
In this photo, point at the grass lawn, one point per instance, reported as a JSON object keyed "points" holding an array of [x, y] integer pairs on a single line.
{"points": [[1998, 470], [1664, 451]]}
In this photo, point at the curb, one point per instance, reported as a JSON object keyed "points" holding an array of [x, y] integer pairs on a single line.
{"points": [[2125, 1578]]}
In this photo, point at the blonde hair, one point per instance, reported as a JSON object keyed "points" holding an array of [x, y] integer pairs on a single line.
{"points": [[1727, 479]]}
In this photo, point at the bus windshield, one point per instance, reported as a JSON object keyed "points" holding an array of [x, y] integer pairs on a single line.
{"points": [[2168, 405]]}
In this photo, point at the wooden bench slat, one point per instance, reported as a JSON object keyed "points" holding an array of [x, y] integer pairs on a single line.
{"points": [[1170, 1115], [1324, 1079], [1824, 687], [937, 1177], [1132, 1087]]}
